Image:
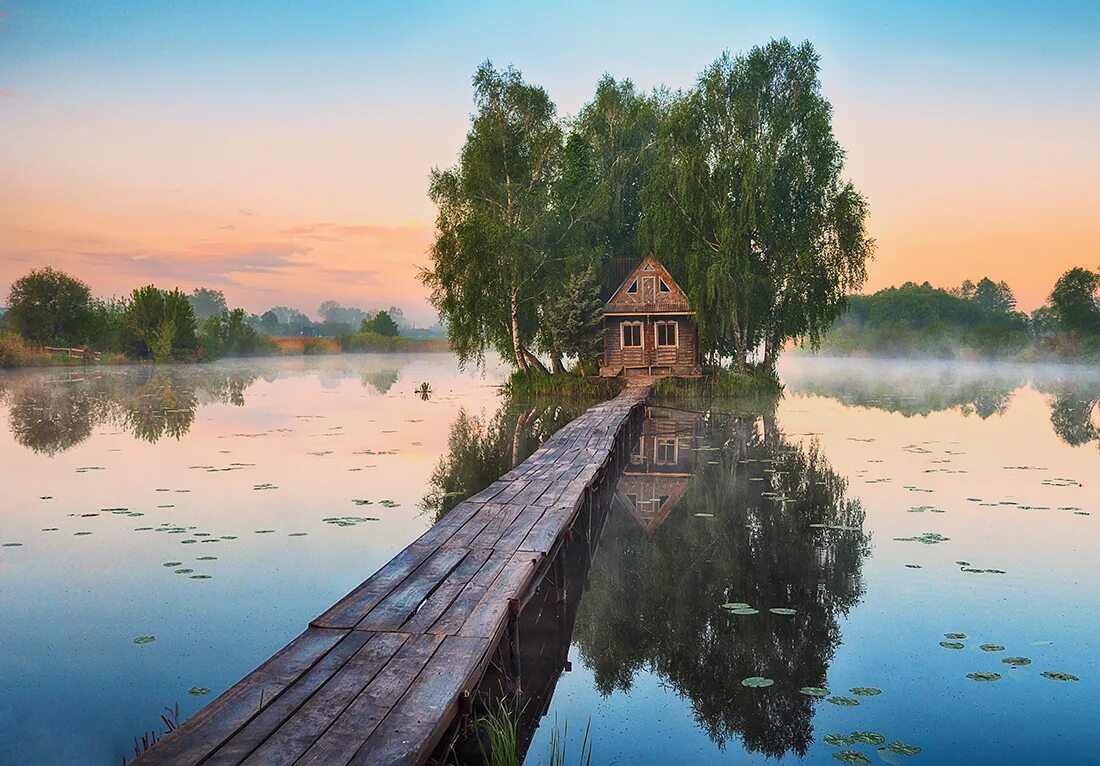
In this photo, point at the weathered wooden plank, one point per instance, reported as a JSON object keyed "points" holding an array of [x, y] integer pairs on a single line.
{"points": [[547, 530], [489, 615], [495, 528], [438, 533], [439, 601], [519, 528], [474, 527], [343, 739], [415, 725], [352, 608], [454, 617], [215, 723], [297, 734], [400, 604]]}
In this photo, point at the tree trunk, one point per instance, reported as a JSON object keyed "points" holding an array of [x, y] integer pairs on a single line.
{"points": [[517, 347], [741, 350], [533, 362], [555, 364]]}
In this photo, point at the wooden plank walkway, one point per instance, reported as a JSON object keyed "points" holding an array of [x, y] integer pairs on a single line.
{"points": [[380, 676]]}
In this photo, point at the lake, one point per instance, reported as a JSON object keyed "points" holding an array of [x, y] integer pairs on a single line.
{"points": [[166, 529]]}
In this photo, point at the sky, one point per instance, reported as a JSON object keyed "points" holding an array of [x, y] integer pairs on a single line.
{"points": [[280, 151]]}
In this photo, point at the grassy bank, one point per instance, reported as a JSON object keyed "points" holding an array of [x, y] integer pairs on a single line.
{"points": [[720, 384], [564, 385]]}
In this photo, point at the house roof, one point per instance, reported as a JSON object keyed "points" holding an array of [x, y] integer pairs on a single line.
{"points": [[649, 288]]}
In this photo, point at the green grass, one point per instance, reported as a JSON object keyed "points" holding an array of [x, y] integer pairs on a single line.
{"points": [[720, 384], [565, 385], [498, 734]]}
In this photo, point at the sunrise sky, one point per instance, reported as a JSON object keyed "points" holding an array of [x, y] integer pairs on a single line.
{"points": [[280, 151]]}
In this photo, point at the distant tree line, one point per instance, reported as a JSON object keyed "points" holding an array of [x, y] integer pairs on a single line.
{"points": [[49, 308], [974, 319], [735, 184]]}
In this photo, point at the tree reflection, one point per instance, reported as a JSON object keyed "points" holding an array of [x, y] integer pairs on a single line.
{"points": [[53, 415], [479, 450], [1075, 414], [654, 602]]}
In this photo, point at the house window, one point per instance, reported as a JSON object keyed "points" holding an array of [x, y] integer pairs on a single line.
{"points": [[665, 288], [632, 334], [666, 451], [666, 334], [633, 287]]}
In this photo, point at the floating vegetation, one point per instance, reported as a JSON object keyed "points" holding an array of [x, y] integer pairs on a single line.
{"points": [[207, 558], [844, 701], [913, 566], [815, 691], [264, 531], [868, 738], [1016, 662], [297, 534], [388, 504], [172, 563], [80, 534], [983, 676], [991, 648], [955, 636], [838, 740], [363, 502], [264, 486], [1054, 675], [902, 749], [145, 639], [12, 545], [866, 691], [974, 570], [184, 571], [49, 529], [348, 521], [201, 577], [198, 690], [782, 610], [923, 508], [928, 538], [952, 645], [852, 756], [704, 515], [1062, 482], [757, 682]]}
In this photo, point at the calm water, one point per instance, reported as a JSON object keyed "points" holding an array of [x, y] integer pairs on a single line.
{"points": [[309, 474]]}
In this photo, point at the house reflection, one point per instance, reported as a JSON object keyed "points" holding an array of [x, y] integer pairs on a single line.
{"points": [[660, 467]]}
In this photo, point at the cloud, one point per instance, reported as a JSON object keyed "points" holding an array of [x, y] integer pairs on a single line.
{"points": [[410, 240]]}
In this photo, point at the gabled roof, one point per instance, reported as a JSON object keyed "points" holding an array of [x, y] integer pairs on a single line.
{"points": [[648, 288]]}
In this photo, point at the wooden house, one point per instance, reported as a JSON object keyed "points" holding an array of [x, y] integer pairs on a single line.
{"points": [[648, 326]]}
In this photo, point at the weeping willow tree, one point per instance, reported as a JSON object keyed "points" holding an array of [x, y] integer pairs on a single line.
{"points": [[747, 205]]}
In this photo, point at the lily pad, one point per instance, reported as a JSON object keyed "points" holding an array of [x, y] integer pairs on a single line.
{"points": [[814, 691], [198, 690], [991, 648], [868, 737], [902, 749], [983, 676], [866, 691], [851, 756], [837, 740], [952, 645], [744, 611], [145, 639], [844, 701], [737, 605], [1054, 675], [757, 682], [172, 563], [201, 577], [783, 610], [955, 636], [1016, 662]]}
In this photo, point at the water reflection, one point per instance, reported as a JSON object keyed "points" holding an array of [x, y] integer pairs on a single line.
{"points": [[722, 510], [53, 412]]}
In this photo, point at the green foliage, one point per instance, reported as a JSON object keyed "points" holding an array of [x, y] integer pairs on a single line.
{"points": [[206, 303], [380, 324], [573, 324], [50, 308], [159, 324], [747, 207], [495, 219], [1075, 303], [992, 296], [921, 320], [498, 735], [13, 351], [229, 334]]}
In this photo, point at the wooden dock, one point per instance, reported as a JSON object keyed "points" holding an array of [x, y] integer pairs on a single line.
{"points": [[383, 675]]}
